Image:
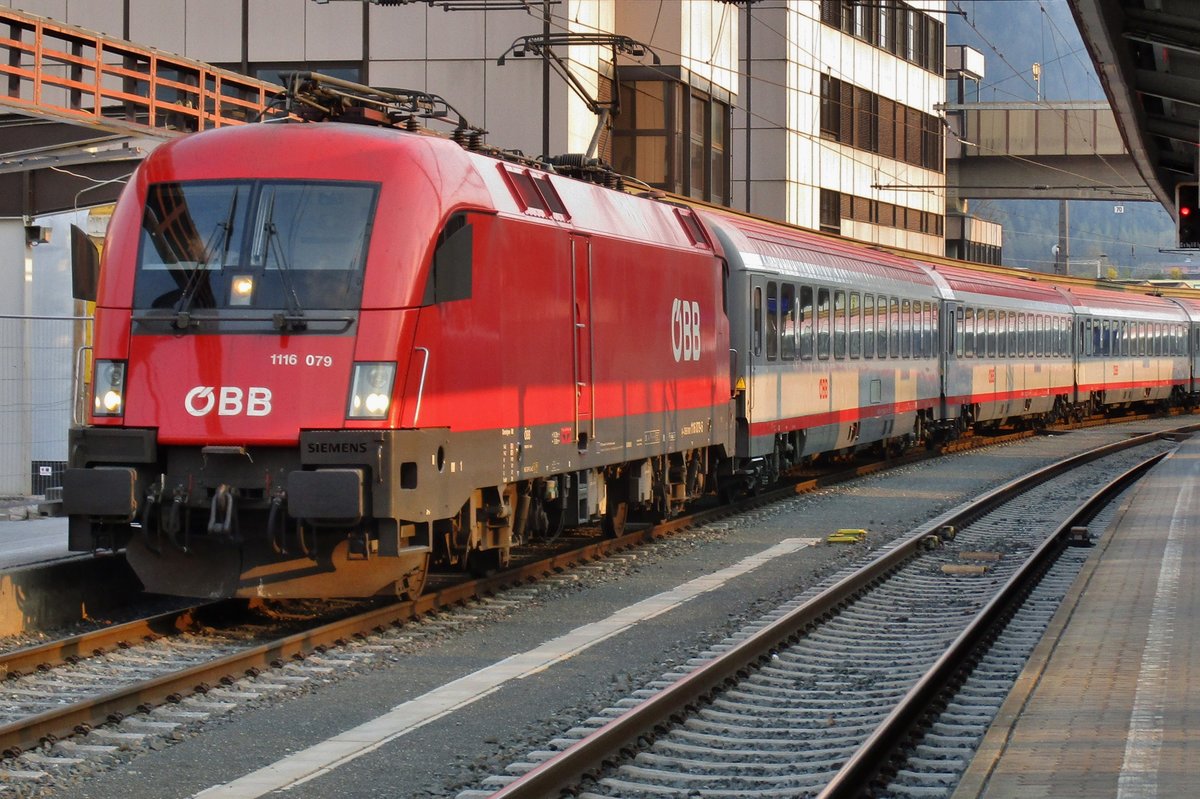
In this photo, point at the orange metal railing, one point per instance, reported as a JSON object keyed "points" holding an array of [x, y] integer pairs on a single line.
{"points": [[53, 69]]}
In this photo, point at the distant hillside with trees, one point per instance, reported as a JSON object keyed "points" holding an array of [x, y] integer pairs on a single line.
{"points": [[1129, 241]]}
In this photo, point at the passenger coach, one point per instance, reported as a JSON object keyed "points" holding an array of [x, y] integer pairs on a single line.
{"points": [[834, 347], [1009, 353]]}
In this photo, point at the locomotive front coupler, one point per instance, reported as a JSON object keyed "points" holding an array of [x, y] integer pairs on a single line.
{"points": [[222, 514]]}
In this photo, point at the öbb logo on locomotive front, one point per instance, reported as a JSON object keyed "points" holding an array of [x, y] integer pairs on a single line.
{"points": [[228, 401], [685, 330]]}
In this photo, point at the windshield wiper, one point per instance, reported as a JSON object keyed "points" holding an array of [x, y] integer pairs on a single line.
{"points": [[219, 238], [293, 319]]}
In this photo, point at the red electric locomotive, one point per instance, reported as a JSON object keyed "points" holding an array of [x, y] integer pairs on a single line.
{"points": [[328, 353]]}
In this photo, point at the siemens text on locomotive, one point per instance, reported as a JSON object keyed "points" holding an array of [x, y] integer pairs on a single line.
{"points": [[330, 355]]}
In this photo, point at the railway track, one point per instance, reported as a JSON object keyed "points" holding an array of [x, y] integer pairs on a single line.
{"points": [[114, 677], [827, 696]]}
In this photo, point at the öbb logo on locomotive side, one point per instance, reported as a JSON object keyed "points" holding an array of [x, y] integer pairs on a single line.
{"points": [[228, 401], [685, 330]]}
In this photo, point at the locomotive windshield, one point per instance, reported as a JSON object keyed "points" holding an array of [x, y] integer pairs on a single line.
{"points": [[270, 245]]}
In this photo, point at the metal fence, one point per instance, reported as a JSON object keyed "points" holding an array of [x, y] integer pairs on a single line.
{"points": [[42, 380]]}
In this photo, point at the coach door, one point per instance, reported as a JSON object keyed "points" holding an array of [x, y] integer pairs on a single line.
{"points": [[581, 292]]}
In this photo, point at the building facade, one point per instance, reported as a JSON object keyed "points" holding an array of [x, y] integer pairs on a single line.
{"points": [[844, 95], [819, 112]]}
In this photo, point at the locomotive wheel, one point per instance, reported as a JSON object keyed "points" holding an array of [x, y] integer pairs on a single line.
{"points": [[613, 522], [485, 562]]}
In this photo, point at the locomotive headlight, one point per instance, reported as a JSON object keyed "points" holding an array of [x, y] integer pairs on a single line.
{"points": [[371, 390], [108, 389], [241, 290]]}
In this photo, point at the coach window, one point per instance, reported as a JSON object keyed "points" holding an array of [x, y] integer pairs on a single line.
{"points": [[990, 333], [772, 321], [968, 332], [868, 325], [881, 326], [823, 323], [839, 324], [960, 332], [905, 329], [894, 327], [787, 329], [806, 323], [926, 331], [931, 331], [1012, 334], [855, 325], [758, 320], [1022, 335]]}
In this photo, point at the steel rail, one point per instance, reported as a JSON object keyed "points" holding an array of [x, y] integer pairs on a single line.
{"points": [[18, 736], [24, 734], [564, 770], [857, 774], [95, 642]]}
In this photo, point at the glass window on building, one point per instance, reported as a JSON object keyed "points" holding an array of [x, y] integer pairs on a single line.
{"points": [[672, 137]]}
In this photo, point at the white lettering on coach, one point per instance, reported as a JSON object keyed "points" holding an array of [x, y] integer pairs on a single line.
{"points": [[228, 400], [685, 330]]}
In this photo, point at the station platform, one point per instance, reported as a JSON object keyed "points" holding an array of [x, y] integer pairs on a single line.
{"points": [[1109, 703]]}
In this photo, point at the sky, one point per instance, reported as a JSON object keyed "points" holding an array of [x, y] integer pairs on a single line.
{"points": [[1013, 35]]}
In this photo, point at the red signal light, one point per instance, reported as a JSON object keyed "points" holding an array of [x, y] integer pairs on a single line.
{"points": [[1187, 222]]}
